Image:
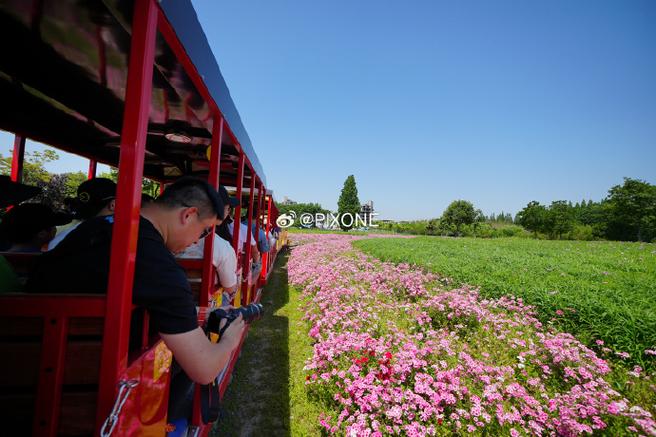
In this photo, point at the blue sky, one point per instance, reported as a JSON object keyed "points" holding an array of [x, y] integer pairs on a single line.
{"points": [[425, 102]]}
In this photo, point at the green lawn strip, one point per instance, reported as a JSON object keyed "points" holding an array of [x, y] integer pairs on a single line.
{"points": [[267, 395], [606, 290]]}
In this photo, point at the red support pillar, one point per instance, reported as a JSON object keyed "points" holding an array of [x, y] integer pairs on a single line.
{"points": [[237, 214], [93, 166], [245, 298], [17, 159], [261, 193], [265, 269], [207, 282], [128, 201]]}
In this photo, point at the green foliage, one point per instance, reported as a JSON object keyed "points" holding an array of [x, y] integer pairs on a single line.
{"points": [[581, 232], [604, 289], [148, 186], [300, 209], [631, 211], [559, 219], [628, 214], [438, 227], [73, 180], [55, 187], [532, 217], [459, 213], [502, 217], [34, 172], [348, 202]]}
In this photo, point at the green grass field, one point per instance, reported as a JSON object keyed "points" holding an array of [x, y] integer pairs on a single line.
{"points": [[595, 290], [267, 395]]}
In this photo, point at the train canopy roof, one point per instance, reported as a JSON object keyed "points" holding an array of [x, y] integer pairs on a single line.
{"points": [[63, 74]]}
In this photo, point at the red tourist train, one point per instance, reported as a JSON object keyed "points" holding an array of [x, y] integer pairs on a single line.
{"points": [[132, 84]]}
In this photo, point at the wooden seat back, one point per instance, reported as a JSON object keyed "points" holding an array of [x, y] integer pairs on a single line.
{"points": [[50, 348]]}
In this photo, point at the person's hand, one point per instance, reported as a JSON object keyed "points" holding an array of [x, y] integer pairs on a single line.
{"points": [[233, 333]]}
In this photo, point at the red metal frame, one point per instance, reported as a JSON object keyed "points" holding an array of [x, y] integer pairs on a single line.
{"points": [[237, 219], [245, 298], [258, 225], [128, 202], [17, 158], [267, 229], [207, 281], [93, 167], [117, 306]]}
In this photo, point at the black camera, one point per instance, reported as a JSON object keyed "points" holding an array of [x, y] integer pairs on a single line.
{"points": [[249, 313]]}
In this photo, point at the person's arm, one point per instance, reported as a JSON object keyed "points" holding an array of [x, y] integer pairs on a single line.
{"points": [[225, 262], [255, 254], [264, 242], [201, 359]]}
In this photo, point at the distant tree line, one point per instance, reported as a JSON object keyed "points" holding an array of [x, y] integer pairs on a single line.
{"points": [[460, 219], [300, 209], [628, 213]]}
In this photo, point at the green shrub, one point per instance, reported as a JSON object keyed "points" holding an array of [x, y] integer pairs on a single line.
{"points": [[581, 232]]}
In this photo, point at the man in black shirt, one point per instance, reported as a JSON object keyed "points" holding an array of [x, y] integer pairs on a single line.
{"points": [[183, 214]]}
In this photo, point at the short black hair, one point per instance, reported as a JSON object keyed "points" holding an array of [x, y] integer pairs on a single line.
{"points": [[191, 191]]}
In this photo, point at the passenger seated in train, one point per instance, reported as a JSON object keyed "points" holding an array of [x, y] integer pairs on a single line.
{"points": [[29, 227], [224, 257], [26, 228], [262, 240], [11, 193], [182, 215], [262, 244], [95, 198], [243, 229]]}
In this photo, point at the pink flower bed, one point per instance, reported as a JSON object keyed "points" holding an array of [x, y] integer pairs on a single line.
{"points": [[396, 354]]}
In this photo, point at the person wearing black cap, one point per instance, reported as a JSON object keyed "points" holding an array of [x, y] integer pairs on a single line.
{"points": [[30, 226], [27, 228], [95, 198], [182, 215], [223, 257], [13, 193]]}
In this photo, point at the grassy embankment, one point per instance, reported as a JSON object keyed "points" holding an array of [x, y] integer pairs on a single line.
{"points": [[267, 395]]}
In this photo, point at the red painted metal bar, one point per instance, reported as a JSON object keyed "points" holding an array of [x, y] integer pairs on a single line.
{"points": [[237, 220], [128, 200], [267, 230], [207, 282], [93, 167], [245, 298], [40, 305], [51, 377], [17, 159], [259, 225]]}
